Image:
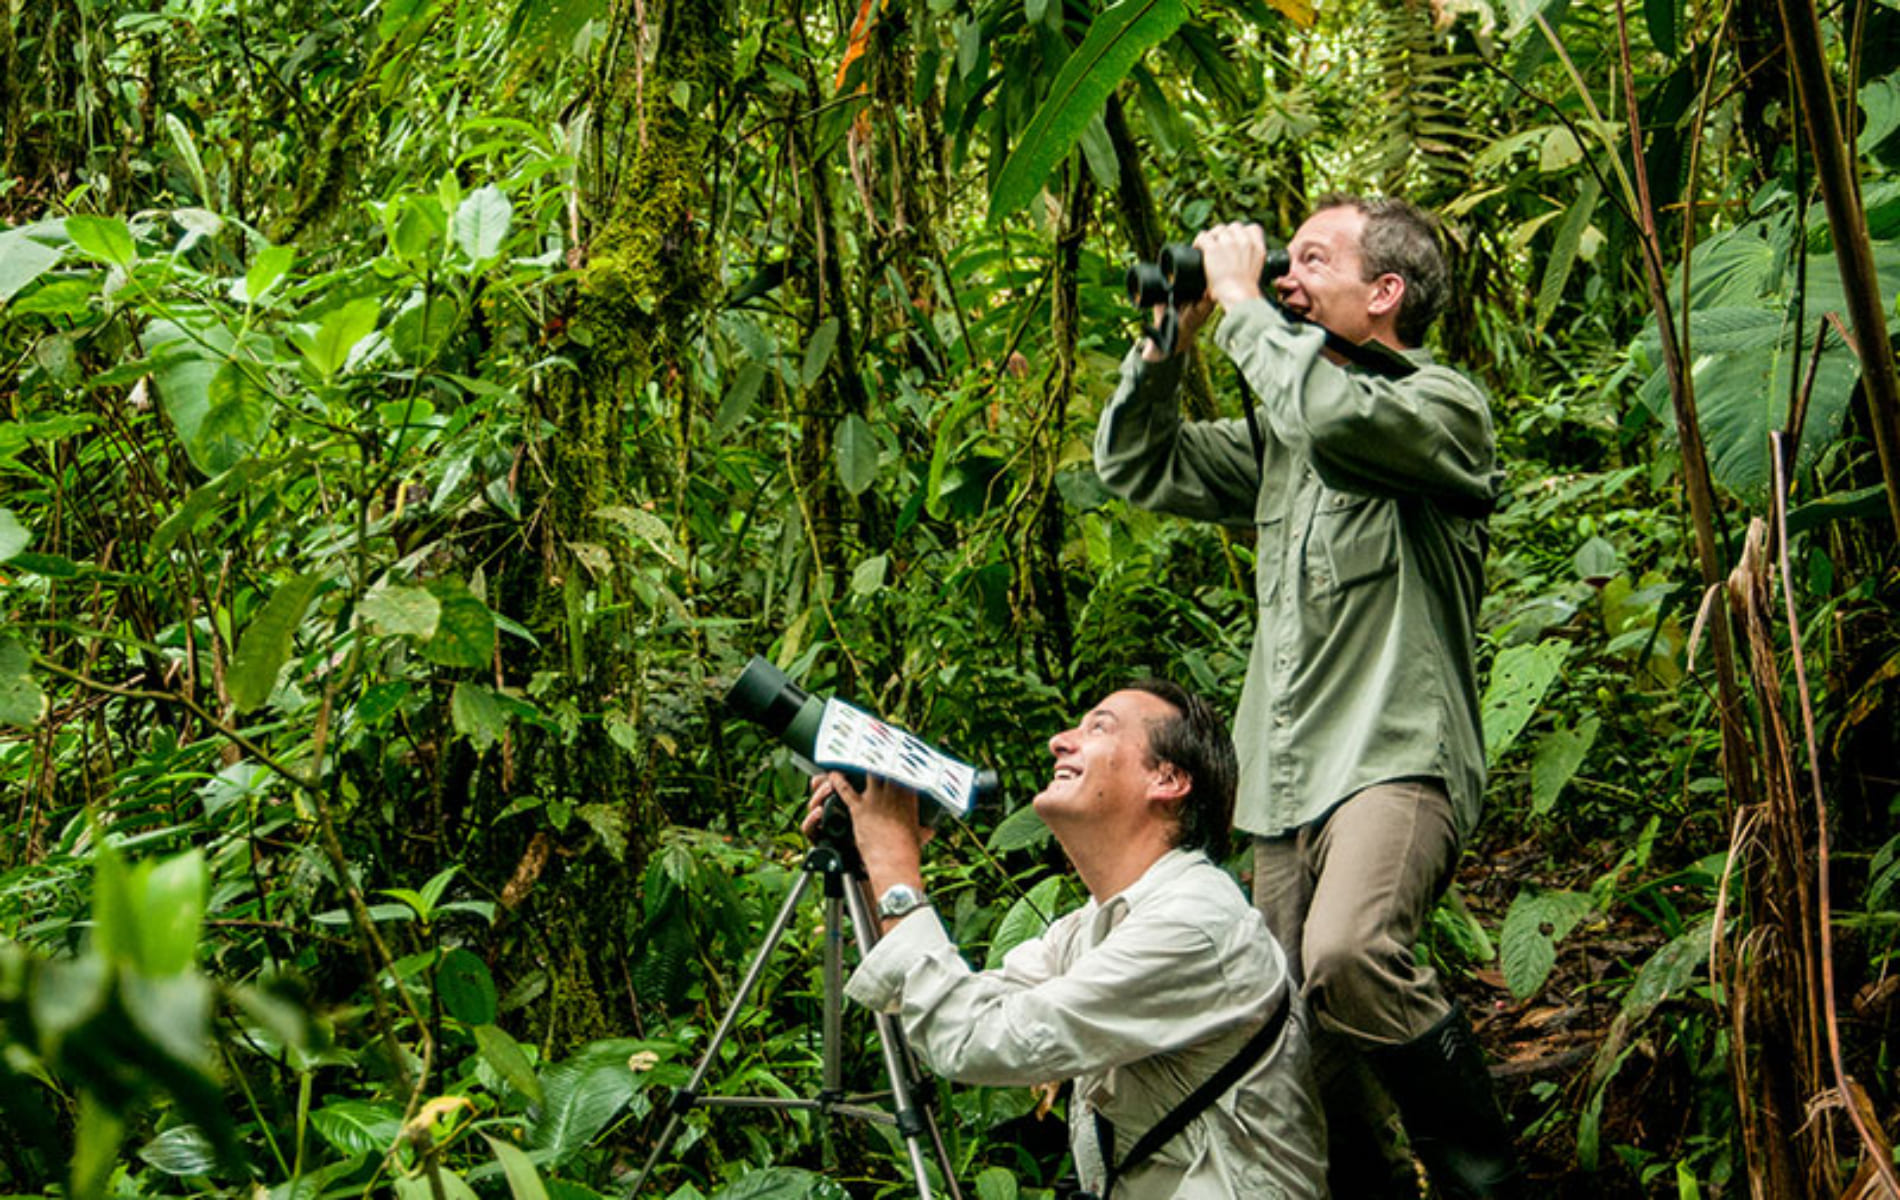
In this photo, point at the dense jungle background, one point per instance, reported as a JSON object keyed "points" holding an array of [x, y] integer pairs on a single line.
{"points": [[417, 411]]}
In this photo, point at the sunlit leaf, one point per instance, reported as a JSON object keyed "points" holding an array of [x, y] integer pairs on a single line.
{"points": [[358, 1126], [103, 238], [328, 349], [481, 223], [13, 535], [395, 610], [856, 452], [267, 268], [23, 259]]}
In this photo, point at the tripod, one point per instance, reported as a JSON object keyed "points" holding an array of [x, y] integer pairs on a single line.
{"points": [[833, 859]]}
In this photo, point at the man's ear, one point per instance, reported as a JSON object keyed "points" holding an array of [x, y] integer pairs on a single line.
{"points": [[1170, 783], [1388, 292]]}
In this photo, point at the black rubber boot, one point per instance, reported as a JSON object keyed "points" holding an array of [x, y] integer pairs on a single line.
{"points": [[1443, 1090], [1366, 1155]]}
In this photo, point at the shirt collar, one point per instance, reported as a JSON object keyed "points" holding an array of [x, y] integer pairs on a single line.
{"points": [[1160, 873]]}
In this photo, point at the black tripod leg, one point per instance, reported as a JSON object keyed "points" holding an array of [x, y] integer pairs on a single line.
{"points": [[913, 1119], [684, 1098]]}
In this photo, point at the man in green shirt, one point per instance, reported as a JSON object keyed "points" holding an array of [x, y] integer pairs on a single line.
{"points": [[1359, 743]]}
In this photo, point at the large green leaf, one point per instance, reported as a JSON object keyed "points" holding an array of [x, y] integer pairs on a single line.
{"points": [[404, 611], [21, 701], [856, 451], [477, 714], [1116, 41], [1563, 255], [1536, 922], [358, 1126], [103, 238], [188, 356], [481, 223], [1748, 352], [182, 1150], [778, 1183], [328, 347], [23, 259], [464, 629], [267, 642], [524, 1181], [1519, 678], [580, 1097], [14, 536], [1555, 761], [1018, 831], [505, 1055], [466, 988]]}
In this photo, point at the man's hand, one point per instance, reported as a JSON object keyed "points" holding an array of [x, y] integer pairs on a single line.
{"points": [[884, 824], [1188, 323], [1232, 256]]}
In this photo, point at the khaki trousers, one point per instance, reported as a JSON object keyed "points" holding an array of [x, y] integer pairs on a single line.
{"points": [[1347, 895]]}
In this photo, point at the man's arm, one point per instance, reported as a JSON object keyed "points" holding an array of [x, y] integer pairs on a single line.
{"points": [[1429, 433], [1145, 452], [1151, 987]]}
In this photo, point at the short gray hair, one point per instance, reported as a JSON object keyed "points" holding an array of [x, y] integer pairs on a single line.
{"points": [[1401, 239]]}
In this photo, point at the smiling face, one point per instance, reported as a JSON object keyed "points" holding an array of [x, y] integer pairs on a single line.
{"points": [[1104, 768], [1326, 282]]}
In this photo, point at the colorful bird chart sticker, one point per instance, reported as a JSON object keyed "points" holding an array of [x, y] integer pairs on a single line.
{"points": [[853, 739]]}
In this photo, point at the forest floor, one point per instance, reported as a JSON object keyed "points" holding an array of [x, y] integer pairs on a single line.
{"points": [[1542, 1048]]}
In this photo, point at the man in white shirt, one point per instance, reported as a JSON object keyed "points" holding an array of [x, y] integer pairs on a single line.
{"points": [[1139, 996]]}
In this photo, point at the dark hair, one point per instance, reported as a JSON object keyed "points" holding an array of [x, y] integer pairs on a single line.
{"points": [[1401, 239], [1196, 742]]}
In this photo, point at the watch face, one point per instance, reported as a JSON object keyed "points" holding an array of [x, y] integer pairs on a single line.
{"points": [[899, 899]]}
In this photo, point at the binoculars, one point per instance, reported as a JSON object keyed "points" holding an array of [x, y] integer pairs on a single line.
{"points": [[1177, 278]]}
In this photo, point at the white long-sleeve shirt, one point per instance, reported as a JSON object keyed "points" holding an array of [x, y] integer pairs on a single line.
{"points": [[1139, 1000]]}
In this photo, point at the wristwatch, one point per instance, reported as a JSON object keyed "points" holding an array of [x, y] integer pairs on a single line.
{"points": [[900, 900]]}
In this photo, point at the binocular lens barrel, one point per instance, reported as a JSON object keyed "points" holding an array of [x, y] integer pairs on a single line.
{"points": [[1178, 276]]}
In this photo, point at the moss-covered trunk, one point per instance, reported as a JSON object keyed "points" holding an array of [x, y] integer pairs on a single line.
{"points": [[616, 443]]}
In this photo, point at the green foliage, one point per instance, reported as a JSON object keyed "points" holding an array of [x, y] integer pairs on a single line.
{"points": [[400, 455]]}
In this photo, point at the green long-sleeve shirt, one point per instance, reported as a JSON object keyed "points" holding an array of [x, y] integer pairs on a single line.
{"points": [[1368, 501]]}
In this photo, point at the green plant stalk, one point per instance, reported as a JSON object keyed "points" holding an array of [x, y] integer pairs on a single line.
{"points": [[1736, 752], [1853, 250]]}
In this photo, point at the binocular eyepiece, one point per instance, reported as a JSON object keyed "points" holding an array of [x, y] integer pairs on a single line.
{"points": [[1178, 277]]}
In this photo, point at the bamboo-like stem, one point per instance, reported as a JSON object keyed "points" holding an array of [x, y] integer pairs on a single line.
{"points": [[1853, 251], [1824, 915], [1695, 459]]}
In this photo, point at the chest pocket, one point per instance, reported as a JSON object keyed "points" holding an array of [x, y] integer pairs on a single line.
{"points": [[1355, 539]]}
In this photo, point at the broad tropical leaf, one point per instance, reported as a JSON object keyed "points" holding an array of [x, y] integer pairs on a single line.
{"points": [[1115, 42]]}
